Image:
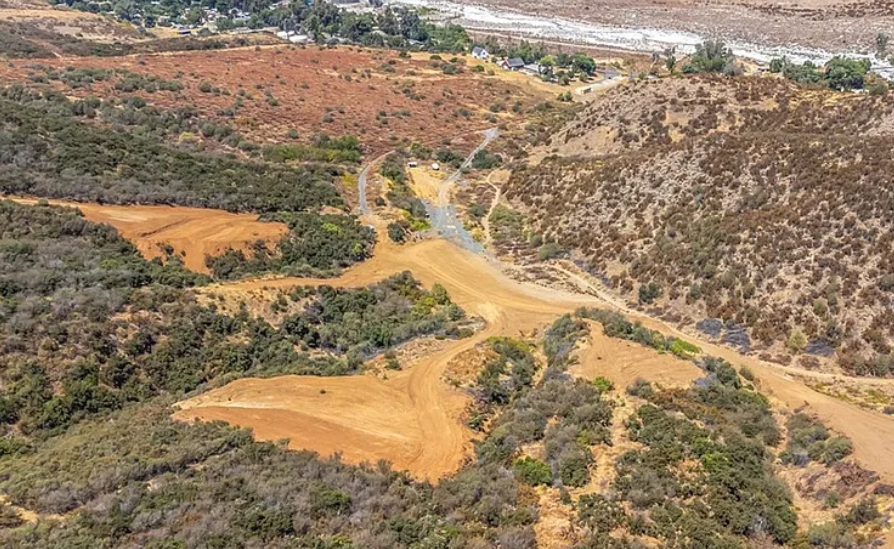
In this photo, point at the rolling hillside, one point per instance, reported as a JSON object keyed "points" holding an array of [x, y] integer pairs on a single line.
{"points": [[746, 201]]}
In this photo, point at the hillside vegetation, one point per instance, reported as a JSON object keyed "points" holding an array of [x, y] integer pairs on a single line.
{"points": [[87, 326], [748, 202], [96, 151]]}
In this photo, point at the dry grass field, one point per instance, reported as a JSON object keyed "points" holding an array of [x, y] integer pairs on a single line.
{"points": [[267, 92]]}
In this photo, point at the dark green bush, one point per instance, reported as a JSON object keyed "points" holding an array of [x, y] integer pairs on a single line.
{"points": [[532, 472]]}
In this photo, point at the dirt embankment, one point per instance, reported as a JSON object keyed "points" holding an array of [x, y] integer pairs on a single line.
{"points": [[192, 233]]}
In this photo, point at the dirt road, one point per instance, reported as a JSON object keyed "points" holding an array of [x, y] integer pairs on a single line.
{"points": [[509, 308], [412, 418], [445, 221], [431, 409], [193, 233], [363, 181]]}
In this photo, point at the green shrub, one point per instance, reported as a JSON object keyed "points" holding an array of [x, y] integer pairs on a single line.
{"points": [[684, 349], [809, 440], [327, 501], [648, 293], [641, 388], [397, 233], [532, 472], [603, 385], [574, 469], [550, 250], [863, 512], [600, 513]]}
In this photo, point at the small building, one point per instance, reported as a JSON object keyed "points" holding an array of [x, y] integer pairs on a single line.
{"points": [[293, 37], [513, 64], [480, 53]]}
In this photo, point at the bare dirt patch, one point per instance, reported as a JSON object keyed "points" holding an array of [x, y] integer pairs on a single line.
{"points": [[426, 182], [362, 417], [192, 233], [622, 362], [510, 308]]}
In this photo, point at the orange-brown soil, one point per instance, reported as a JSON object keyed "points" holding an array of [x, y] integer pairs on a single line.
{"points": [[622, 362], [422, 405], [193, 233], [424, 433]]}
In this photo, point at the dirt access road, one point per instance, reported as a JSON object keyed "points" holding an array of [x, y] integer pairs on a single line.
{"points": [[412, 418], [193, 233], [423, 432]]}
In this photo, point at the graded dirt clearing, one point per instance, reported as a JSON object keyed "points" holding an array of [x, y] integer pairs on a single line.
{"points": [[193, 233], [381, 98], [623, 362], [510, 308], [412, 418]]}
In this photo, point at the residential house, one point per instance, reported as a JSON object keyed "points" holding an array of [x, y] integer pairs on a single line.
{"points": [[513, 64], [480, 53]]}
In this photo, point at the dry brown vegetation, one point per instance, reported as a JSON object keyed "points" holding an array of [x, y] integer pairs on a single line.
{"points": [[283, 94], [746, 200]]}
